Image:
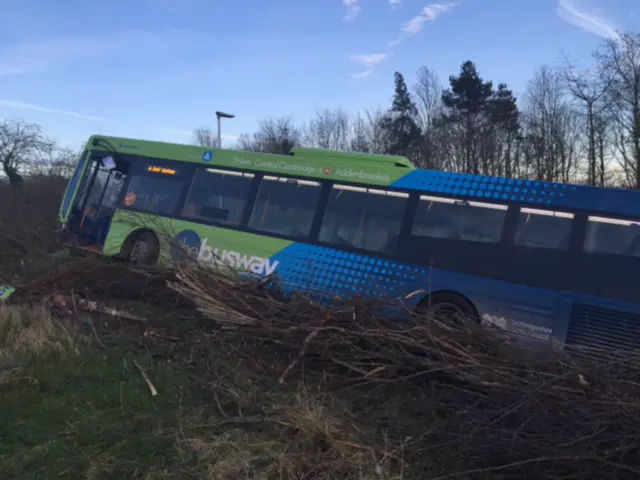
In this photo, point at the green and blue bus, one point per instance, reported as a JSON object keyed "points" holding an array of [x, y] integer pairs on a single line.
{"points": [[553, 262]]}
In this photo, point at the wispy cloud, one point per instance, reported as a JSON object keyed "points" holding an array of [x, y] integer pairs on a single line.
{"points": [[30, 106], [56, 53], [410, 28], [395, 3], [427, 14], [353, 10], [571, 11], [368, 61]]}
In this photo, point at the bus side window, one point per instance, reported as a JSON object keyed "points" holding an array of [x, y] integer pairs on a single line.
{"points": [[154, 194], [543, 228], [363, 218], [285, 206], [612, 236], [218, 196], [440, 217]]}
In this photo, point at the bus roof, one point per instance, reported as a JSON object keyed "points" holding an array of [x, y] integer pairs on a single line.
{"points": [[348, 167], [391, 160]]}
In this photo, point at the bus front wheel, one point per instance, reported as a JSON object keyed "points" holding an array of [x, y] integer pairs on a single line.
{"points": [[448, 308], [144, 249]]}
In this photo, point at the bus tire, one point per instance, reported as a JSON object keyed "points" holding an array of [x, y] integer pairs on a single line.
{"points": [[143, 248], [449, 306]]}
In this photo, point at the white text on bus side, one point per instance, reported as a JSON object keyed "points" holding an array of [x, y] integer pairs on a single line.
{"points": [[236, 260]]}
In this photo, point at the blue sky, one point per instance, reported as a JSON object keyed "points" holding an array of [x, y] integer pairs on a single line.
{"points": [[157, 69]]}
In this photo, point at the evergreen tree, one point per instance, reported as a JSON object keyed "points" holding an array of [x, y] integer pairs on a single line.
{"points": [[467, 100], [505, 119], [503, 109], [401, 122]]}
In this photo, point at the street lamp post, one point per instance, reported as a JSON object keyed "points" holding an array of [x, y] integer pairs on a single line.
{"points": [[220, 116]]}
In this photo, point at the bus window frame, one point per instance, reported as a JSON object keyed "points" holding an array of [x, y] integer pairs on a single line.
{"points": [[279, 178], [381, 190], [546, 212], [469, 257], [242, 225], [137, 169]]}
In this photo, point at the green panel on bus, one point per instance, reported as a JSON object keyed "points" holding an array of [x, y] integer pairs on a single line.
{"points": [[395, 161], [348, 168], [203, 242]]}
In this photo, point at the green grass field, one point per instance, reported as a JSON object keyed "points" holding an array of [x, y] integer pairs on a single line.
{"points": [[75, 405], [70, 410]]}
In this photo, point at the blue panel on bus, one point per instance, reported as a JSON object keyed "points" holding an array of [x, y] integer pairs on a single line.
{"points": [[484, 187], [487, 188], [341, 273]]}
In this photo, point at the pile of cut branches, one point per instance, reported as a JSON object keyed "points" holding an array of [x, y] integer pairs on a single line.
{"points": [[486, 408]]}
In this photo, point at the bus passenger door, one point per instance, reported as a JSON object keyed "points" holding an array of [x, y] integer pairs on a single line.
{"points": [[91, 217]]}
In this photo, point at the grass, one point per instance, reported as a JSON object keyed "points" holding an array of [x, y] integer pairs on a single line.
{"points": [[72, 407], [70, 412]]}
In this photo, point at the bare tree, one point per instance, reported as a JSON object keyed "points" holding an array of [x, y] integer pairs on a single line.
{"points": [[367, 133], [549, 136], [620, 60], [428, 91], [21, 144], [360, 139], [378, 135], [277, 135], [329, 129], [205, 137], [63, 162], [588, 90]]}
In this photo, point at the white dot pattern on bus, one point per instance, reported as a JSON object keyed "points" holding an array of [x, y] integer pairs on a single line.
{"points": [[483, 186], [340, 273], [525, 191]]}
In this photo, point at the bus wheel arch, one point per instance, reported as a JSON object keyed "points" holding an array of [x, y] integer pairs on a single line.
{"points": [[141, 246], [447, 302]]}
